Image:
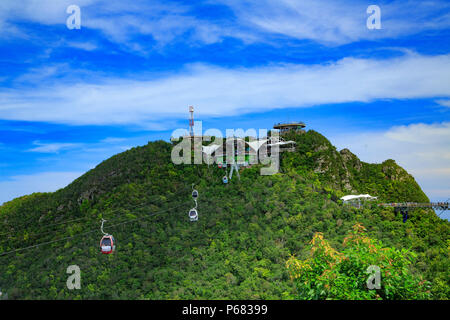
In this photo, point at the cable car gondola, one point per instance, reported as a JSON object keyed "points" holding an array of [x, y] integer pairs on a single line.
{"points": [[225, 179], [193, 214], [107, 243], [194, 194]]}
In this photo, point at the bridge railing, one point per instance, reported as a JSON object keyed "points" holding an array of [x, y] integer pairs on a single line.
{"points": [[440, 205]]}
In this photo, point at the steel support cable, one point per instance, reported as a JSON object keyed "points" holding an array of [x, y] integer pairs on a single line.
{"points": [[67, 221], [86, 233], [75, 220], [28, 220], [84, 218], [443, 210]]}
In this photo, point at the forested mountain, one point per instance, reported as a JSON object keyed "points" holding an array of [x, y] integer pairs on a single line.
{"points": [[285, 236]]}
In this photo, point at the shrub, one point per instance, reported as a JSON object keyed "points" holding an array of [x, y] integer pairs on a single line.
{"points": [[330, 274]]}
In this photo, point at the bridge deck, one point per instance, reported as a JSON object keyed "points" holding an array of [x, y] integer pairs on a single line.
{"points": [[434, 205]]}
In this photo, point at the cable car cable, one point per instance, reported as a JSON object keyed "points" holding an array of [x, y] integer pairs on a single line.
{"points": [[55, 231], [82, 218], [117, 216], [85, 233], [19, 237], [25, 222]]}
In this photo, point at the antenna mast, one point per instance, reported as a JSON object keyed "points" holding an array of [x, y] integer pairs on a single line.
{"points": [[191, 121]]}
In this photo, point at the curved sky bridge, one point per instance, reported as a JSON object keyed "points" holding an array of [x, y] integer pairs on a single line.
{"points": [[361, 199], [412, 205], [405, 207], [402, 207]]}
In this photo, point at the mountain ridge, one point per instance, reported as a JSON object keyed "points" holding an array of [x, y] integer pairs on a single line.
{"points": [[245, 233]]}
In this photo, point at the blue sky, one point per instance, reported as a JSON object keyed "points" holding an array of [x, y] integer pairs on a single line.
{"points": [[72, 98]]}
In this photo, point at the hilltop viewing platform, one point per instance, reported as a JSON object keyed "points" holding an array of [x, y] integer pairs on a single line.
{"points": [[285, 127]]}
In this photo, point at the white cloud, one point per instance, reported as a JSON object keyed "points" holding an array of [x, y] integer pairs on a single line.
{"points": [[331, 22], [87, 46], [53, 147], [46, 12], [36, 75], [219, 91], [118, 21], [338, 22], [443, 102], [422, 149], [112, 140], [21, 185]]}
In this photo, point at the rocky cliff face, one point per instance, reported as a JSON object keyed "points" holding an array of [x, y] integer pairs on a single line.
{"points": [[342, 170]]}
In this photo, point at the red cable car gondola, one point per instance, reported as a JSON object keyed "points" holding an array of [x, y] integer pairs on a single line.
{"points": [[107, 244]]}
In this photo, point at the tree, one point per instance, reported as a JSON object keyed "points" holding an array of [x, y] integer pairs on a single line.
{"points": [[330, 274]]}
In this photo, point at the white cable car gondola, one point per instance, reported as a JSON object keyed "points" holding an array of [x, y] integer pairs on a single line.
{"points": [[107, 243], [225, 179], [193, 214]]}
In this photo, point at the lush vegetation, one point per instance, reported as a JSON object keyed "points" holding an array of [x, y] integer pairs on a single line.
{"points": [[247, 231], [330, 274]]}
